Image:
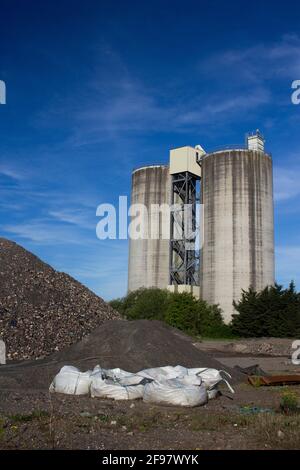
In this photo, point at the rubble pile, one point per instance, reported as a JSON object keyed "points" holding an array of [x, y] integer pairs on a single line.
{"points": [[128, 345], [42, 310]]}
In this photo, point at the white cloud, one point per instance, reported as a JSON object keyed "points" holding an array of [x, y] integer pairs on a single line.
{"points": [[218, 108], [288, 264], [11, 172], [286, 183], [260, 62], [79, 217], [41, 232], [116, 103]]}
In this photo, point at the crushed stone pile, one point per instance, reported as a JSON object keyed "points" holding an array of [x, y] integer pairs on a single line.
{"points": [[43, 310], [136, 345], [129, 345]]}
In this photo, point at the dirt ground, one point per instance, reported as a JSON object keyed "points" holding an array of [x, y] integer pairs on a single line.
{"points": [[251, 419], [272, 354]]}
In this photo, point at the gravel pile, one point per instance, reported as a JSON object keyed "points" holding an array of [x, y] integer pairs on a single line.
{"points": [[42, 310], [136, 345], [130, 345]]}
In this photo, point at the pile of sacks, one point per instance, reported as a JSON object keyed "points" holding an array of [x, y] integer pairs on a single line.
{"points": [[161, 385]]}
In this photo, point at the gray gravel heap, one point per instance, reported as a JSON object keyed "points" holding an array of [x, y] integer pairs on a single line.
{"points": [[130, 345], [42, 310]]}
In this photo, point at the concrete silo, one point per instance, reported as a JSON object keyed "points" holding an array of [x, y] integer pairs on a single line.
{"points": [[238, 232], [149, 254]]}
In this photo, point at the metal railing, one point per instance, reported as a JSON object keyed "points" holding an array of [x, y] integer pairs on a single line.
{"points": [[147, 165], [232, 147]]}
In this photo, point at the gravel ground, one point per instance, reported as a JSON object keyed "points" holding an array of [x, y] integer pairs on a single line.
{"points": [[32, 418], [281, 347], [39, 420]]}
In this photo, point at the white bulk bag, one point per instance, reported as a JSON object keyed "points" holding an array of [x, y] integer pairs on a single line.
{"points": [[71, 381], [211, 377], [117, 390], [190, 380], [171, 385], [115, 374], [166, 372], [175, 392]]}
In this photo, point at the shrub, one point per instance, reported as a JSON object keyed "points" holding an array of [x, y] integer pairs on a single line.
{"points": [[181, 310], [117, 304], [289, 401], [143, 303], [272, 312]]}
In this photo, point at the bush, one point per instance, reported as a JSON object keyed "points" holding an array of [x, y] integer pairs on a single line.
{"points": [[144, 303], [272, 312], [289, 401], [211, 320], [117, 304], [181, 310]]}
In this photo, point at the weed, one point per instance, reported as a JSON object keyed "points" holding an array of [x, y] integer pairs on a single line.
{"points": [[103, 418], [25, 418], [289, 401], [2, 430]]}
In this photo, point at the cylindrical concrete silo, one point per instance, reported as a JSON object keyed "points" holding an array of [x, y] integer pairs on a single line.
{"points": [[238, 232], [149, 256]]}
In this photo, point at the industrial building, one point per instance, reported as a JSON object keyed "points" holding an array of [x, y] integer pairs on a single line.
{"points": [[236, 227]]}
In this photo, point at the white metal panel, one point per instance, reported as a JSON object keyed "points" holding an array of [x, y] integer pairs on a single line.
{"points": [[185, 159]]}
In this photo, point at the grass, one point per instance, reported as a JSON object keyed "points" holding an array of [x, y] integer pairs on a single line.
{"points": [[28, 417], [2, 430], [275, 431], [103, 418], [289, 401]]}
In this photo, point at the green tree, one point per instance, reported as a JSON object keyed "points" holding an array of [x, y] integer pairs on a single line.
{"points": [[211, 323], [182, 312], [118, 305], [272, 312], [145, 303]]}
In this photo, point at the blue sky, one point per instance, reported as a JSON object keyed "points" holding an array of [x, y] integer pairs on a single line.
{"points": [[96, 88]]}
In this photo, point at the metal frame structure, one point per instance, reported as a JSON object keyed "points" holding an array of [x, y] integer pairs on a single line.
{"points": [[184, 259]]}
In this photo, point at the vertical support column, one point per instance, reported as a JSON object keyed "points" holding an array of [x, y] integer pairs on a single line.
{"points": [[183, 258]]}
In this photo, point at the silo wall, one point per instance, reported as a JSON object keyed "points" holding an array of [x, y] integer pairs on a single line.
{"points": [[238, 228], [149, 258]]}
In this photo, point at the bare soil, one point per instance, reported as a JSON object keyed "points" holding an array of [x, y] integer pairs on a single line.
{"points": [[38, 420], [276, 347], [32, 418]]}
